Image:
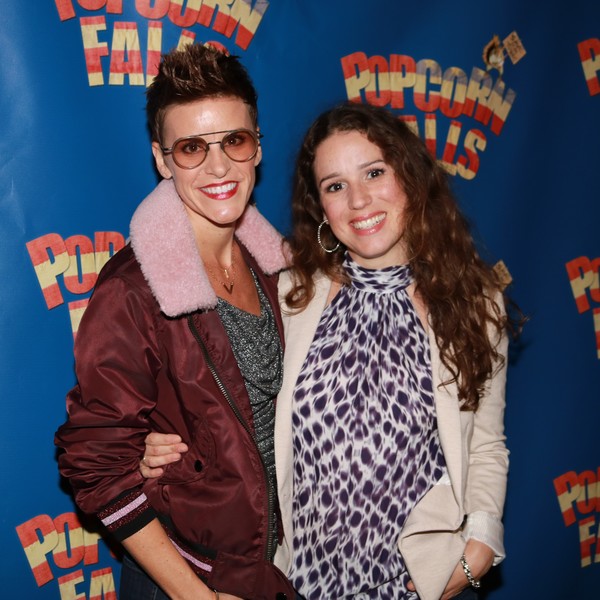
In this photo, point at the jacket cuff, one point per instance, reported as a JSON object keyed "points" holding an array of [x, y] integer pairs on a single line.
{"points": [[127, 514], [488, 529]]}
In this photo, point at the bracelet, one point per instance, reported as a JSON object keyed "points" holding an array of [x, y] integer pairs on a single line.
{"points": [[216, 594], [472, 581]]}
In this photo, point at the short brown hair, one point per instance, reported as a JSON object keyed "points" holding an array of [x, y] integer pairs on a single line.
{"points": [[195, 73]]}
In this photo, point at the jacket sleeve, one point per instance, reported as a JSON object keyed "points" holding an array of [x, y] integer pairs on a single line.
{"points": [[488, 463], [117, 361]]}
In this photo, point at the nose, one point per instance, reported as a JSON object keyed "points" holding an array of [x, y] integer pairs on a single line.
{"points": [[216, 163], [358, 197]]}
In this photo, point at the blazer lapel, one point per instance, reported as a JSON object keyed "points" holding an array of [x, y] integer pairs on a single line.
{"points": [[448, 420], [299, 330]]}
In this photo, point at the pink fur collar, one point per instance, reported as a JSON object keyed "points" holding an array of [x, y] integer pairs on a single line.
{"points": [[163, 242]]}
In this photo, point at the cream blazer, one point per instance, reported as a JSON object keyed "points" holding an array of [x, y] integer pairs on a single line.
{"points": [[468, 503]]}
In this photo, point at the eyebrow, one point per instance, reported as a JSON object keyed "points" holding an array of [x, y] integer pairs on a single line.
{"points": [[361, 166]]}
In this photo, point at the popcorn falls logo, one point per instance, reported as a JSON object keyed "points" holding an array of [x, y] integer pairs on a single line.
{"points": [[583, 275], [401, 81], [53, 546], [77, 261], [589, 53], [125, 52], [579, 503]]}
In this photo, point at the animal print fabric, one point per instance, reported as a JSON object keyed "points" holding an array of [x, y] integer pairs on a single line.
{"points": [[366, 445]]}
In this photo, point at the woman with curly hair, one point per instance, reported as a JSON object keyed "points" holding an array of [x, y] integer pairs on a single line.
{"points": [[394, 373], [389, 439]]}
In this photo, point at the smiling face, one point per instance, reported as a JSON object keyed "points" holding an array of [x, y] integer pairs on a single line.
{"points": [[362, 199], [215, 194]]}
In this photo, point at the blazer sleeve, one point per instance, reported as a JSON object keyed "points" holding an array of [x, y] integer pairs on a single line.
{"points": [[117, 359], [488, 462]]}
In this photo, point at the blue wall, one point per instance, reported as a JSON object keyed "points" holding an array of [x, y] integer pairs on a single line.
{"points": [[523, 146]]}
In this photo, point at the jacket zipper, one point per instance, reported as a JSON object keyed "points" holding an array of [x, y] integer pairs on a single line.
{"points": [[269, 554]]}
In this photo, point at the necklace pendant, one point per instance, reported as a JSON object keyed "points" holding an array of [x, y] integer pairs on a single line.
{"points": [[228, 286]]}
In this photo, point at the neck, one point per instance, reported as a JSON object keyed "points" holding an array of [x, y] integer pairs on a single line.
{"points": [[215, 245], [214, 241], [223, 265], [220, 255]]}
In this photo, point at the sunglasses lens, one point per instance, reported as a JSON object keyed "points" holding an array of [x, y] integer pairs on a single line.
{"points": [[190, 152], [240, 145]]}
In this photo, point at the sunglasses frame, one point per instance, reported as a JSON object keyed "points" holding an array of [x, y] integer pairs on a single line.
{"points": [[256, 135]]}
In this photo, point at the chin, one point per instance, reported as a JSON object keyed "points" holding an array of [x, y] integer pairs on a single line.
{"points": [[228, 218]]}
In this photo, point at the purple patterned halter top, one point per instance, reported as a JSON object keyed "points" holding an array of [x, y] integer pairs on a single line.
{"points": [[366, 445]]}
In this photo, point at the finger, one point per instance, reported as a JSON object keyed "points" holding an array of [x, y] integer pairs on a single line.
{"points": [[162, 439], [163, 450], [153, 461], [149, 472], [411, 586]]}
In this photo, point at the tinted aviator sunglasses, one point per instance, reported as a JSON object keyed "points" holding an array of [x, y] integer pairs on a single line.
{"points": [[240, 145]]}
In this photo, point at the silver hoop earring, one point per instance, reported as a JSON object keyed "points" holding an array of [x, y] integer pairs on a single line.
{"points": [[328, 250]]}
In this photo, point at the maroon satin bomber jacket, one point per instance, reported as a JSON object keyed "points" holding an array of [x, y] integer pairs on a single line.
{"points": [[138, 371]]}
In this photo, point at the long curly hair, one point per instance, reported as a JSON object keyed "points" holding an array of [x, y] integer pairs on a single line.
{"points": [[459, 289]]}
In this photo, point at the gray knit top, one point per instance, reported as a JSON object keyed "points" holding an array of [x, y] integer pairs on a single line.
{"points": [[259, 354]]}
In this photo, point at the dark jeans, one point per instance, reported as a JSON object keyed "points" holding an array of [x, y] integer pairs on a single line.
{"points": [[136, 585]]}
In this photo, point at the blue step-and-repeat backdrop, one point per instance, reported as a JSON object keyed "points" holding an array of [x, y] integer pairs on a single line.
{"points": [[506, 95]]}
